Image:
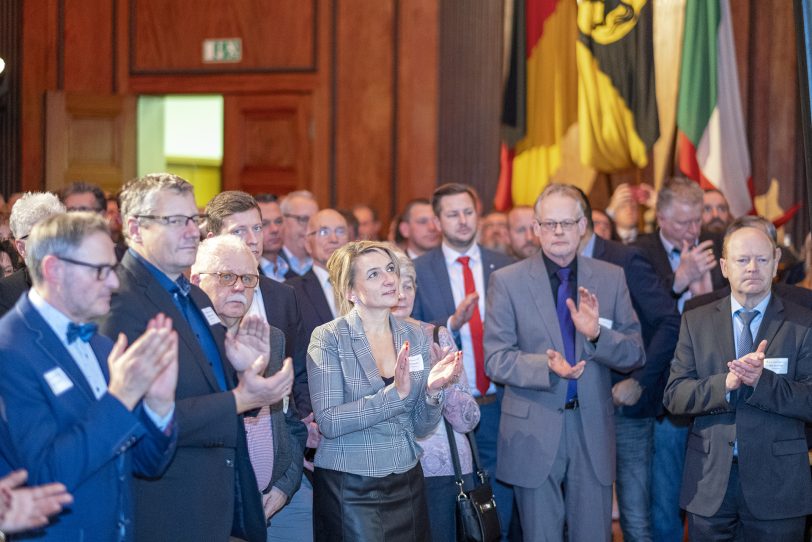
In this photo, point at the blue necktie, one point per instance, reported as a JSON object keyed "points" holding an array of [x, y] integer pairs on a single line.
{"points": [[567, 326], [84, 332], [181, 292]]}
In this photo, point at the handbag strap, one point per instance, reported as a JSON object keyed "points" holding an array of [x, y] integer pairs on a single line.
{"points": [[449, 432], [481, 472]]}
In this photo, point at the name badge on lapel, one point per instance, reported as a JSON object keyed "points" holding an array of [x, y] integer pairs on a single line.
{"points": [[58, 381], [779, 366], [605, 322], [211, 316]]}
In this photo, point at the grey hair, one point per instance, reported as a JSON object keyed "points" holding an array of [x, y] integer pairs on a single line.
{"points": [[561, 190], [750, 221], [215, 251], [30, 209], [679, 189], [139, 195], [404, 262], [304, 194], [60, 235]]}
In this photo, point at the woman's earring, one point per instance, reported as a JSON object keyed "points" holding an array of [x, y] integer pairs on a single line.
{"points": [[354, 300]]}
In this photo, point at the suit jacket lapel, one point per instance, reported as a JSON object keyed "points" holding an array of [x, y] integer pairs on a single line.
{"points": [[218, 333], [317, 296], [586, 280], [771, 323], [362, 350], [51, 347], [443, 280], [487, 267], [723, 324], [541, 294]]}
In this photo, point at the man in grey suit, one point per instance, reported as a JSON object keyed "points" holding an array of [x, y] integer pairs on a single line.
{"points": [[554, 357], [743, 368]]}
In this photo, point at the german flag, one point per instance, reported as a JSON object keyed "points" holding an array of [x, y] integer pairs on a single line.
{"points": [[617, 106], [550, 98]]}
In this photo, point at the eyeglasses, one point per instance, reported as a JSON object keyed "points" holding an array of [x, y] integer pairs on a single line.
{"points": [[228, 279], [552, 225], [176, 221], [301, 219], [325, 232], [102, 271]]}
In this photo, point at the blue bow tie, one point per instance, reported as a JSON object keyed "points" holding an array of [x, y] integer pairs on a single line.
{"points": [[81, 331]]}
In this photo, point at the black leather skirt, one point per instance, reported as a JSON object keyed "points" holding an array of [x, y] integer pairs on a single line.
{"points": [[353, 508]]}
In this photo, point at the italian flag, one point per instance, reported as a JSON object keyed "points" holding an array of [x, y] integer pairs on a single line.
{"points": [[712, 145]]}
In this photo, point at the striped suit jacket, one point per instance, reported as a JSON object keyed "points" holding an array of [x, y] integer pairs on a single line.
{"points": [[368, 430]]}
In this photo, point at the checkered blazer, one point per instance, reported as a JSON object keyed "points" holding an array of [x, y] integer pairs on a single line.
{"points": [[368, 430]]}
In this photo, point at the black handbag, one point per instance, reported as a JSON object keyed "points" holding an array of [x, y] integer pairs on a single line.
{"points": [[477, 519]]}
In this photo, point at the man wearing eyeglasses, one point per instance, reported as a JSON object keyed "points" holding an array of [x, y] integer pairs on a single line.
{"points": [[27, 211], [78, 409], [297, 208], [272, 264], [558, 324], [226, 270], [209, 491]]}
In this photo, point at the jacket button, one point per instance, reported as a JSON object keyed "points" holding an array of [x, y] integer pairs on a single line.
{"points": [[229, 462], [730, 443]]}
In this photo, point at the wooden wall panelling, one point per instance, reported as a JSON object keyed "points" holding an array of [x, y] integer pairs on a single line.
{"points": [[167, 37], [417, 86], [266, 142], [11, 52], [470, 94], [364, 98], [89, 138], [87, 49]]}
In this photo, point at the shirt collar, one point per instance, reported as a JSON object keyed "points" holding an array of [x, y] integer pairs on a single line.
{"points": [[735, 306], [451, 254], [589, 248], [166, 283], [322, 274], [53, 316], [552, 267]]}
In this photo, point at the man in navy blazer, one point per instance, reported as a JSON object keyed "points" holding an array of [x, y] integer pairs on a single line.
{"points": [[80, 410], [442, 299], [637, 395]]}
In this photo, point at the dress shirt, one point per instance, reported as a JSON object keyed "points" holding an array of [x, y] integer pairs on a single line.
{"points": [[257, 307], [457, 280], [276, 270], [298, 267], [589, 247], [674, 258], [82, 354], [327, 288]]}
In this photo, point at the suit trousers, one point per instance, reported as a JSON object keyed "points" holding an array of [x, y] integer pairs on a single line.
{"points": [[670, 438], [735, 522], [571, 494]]}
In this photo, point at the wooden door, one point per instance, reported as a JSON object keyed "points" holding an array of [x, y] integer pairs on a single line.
{"points": [[91, 138], [268, 142]]}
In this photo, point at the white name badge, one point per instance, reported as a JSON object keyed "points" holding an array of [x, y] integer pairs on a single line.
{"points": [[605, 322], [58, 381], [415, 363], [211, 316], [779, 366]]}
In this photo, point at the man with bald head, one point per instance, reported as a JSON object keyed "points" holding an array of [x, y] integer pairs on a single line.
{"points": [[326, 231], [523, 242], [743, 370]]}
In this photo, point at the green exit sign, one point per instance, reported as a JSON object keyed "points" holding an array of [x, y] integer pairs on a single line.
{"points": [[222, 50]]}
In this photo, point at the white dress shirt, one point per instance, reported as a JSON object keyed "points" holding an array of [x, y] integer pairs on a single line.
{"points": [[327, 288]]}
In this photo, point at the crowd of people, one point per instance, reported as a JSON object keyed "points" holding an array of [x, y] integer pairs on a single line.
{"points": [[266, 369]]}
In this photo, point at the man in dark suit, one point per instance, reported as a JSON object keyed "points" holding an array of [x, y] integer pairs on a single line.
{"points": [[557, 325], [27, 211], [743, 369], [297, 208], [685, 260], [209, 490], [637, 395], [237, 213], [452, 280], [225, 269], [326, 231], [272, 264], [78, 409]]}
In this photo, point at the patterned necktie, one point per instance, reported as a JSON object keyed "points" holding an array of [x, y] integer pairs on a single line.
{"points": [[744, 344], [477, 331], [84, 332], [567, 326]]}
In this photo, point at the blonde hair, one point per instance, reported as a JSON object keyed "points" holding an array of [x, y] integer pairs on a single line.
{"points": [[341, 266]]}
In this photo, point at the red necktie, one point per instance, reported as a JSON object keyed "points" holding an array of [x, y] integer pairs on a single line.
{"points": [[475, 325]]}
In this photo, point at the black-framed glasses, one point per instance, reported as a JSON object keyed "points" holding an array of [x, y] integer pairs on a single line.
{"points": [[228, 279], [325, 232], [552, 225], [102, 270], [301, 219], [176, 221]]}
